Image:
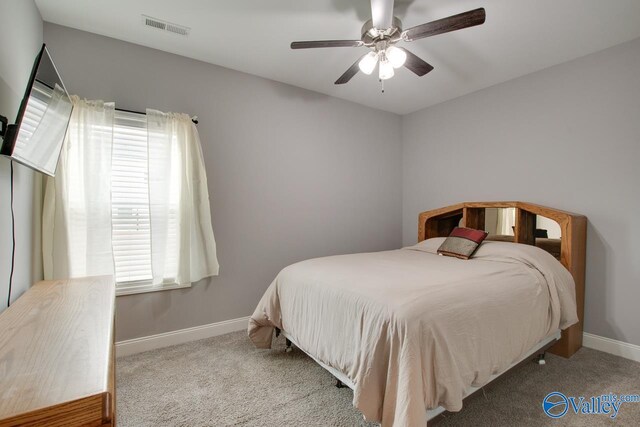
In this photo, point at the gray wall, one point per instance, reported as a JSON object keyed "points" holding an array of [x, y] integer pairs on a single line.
{"points": [[292, 174], [20, 41], [566, 137]]}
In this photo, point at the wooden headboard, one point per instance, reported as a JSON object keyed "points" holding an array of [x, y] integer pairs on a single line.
{"points": [[573, 242]]}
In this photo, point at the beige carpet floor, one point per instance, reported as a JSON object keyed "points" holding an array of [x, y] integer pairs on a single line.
{"points": [[225, 381]]}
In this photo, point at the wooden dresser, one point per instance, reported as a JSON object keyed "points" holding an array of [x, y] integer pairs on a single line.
{"points": [[57, 365]]}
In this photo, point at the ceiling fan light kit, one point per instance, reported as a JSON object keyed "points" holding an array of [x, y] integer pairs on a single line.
{"points": [[389, 57], [383, 31]]}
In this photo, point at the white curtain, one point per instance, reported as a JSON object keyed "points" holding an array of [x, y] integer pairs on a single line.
{"points": [[77, 211], [182, 242], [76, 227]]}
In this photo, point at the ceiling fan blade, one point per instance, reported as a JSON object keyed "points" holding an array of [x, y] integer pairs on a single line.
{"points": [[326, 43], [416, 64], [452, 23], [352, 71], [382, 13]]}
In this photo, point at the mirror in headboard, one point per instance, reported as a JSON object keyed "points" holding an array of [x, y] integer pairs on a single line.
{"points": [[500, 223], [504, 221]]}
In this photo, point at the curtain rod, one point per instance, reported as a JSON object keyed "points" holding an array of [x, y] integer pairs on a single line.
{"points": [[194, 119]]}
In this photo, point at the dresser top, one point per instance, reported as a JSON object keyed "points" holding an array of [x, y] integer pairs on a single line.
{"points": [[55, 344]]}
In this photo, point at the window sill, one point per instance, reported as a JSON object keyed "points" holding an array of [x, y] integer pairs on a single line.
{"points": [[143, 289]]}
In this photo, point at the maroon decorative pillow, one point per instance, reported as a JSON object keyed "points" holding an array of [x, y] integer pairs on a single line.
{"points": [[462, 242]]}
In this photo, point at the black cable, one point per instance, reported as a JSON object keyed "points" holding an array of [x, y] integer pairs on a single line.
{"points": [[13, 233]]}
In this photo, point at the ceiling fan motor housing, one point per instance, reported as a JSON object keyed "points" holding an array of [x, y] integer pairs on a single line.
{"points": [[370, 34]]}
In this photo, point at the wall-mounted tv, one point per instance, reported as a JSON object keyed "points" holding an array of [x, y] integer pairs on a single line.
{"points": [[41, 125]]}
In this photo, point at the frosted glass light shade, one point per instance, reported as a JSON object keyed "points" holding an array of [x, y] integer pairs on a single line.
{"points": [[385, 70], [396, 56], [368, 62]]}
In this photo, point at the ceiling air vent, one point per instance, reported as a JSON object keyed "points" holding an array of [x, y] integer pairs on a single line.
{"points": [[159, 24]]}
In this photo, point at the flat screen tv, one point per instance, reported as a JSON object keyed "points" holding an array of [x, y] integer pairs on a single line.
{"points": [[36, 137]]}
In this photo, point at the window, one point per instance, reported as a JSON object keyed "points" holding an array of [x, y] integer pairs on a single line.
{"points": [[130, 208], [129, 199]]}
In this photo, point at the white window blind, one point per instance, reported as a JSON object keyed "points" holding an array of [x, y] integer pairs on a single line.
{"points": [[131, 226]]}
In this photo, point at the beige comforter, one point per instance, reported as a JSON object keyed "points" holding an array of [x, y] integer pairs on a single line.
{"points": [[413, 330]]}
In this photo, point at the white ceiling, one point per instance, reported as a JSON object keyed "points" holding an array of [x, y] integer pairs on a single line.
{"points": [[518, 37]]}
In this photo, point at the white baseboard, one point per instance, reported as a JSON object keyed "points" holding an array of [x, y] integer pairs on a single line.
{"points": [[181, 336], [618, 348]]}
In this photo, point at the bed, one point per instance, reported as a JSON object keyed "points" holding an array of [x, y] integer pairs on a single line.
{"points": [[414, 333]]}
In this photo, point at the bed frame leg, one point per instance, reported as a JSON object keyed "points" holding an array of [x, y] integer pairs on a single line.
{"points": [[277, 332], [339, 384], [288, 349], [540, 359]]}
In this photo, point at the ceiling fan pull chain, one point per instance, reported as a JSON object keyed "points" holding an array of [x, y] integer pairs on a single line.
{"points": [[381, 84]]}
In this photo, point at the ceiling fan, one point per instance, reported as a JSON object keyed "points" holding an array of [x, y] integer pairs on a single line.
{"points": [[383, 31]]}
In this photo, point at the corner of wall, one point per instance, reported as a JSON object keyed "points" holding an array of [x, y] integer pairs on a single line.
{"points": [[20, 40]]}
